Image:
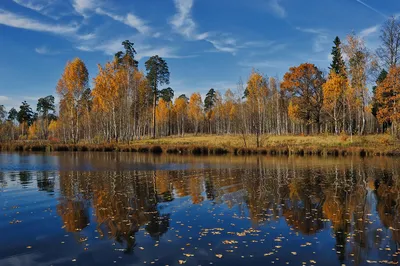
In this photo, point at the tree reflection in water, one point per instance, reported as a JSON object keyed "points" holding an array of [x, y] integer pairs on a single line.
{"points": [[335, 196]]}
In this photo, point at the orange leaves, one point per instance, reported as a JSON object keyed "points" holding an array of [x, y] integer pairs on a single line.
{"points": [[74, 79], [107, 85], [304, 83], [388, 96], [333, 90]]}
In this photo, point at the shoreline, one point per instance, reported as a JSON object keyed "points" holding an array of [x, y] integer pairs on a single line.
{"points": [[211, 145]]}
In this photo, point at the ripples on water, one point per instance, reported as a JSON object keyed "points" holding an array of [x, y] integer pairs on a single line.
{"points": [[101, 209]]}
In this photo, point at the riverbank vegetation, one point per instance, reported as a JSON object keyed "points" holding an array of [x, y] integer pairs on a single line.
{"points": [[321, 145], [127, 106]]}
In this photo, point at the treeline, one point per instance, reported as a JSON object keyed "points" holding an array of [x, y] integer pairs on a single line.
{"points": [[127, 104]]}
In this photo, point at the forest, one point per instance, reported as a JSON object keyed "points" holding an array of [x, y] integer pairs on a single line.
{"points": [[358, 95]]}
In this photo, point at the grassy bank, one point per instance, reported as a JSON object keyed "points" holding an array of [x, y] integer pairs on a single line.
{"points": [[321, 145]]}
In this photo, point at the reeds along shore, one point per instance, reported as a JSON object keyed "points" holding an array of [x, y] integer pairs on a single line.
{"points": [[202, 150]]}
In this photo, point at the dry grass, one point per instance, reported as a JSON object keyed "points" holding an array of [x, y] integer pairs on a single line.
{"points": [[320, 145], [236, 141]]}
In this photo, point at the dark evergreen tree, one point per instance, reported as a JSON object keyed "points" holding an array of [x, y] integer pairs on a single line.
{"points": [[338, 65], [167, 94], [184, 97], [12, 115], [25, 114], [210, 99], [45, 105], [375, 105], [157, 75], [129, 56]]}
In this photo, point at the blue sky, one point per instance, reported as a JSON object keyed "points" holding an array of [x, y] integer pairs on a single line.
{"points": [[207, 43]]}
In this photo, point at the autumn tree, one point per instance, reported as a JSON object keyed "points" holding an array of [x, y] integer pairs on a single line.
{"points": [[157, 75], [333, 91], [167, 95], [304, 83], [73, 82], [180, 110], [106, 92], [195, 111], [256, 94], [361, 64], [162, 115], [388, 97], [374, 103], [335, 88]]}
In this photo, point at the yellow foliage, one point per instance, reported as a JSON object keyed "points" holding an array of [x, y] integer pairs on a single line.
{"points": [[293, 111], [162, 111], [33, 131], [195, 107]]}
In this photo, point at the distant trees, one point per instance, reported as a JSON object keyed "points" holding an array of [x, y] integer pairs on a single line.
{"points": [[126, 104]]}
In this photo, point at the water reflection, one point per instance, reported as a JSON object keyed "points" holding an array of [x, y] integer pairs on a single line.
{"points": [[353, 204]]}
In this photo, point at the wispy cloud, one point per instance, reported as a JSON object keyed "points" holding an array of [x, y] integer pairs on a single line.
{"points": [[36, 5], [43, 50], [276, 7], [183, 23], [143, 49], [320, 40], [371, 8], [369, 31], [17, 21], [130, 19]]}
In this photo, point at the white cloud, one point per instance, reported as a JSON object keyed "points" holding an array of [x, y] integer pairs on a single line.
{"points": [[130, 19], [17, 21], [4, 100], [369, 31], [82, 6], [276, 7]]}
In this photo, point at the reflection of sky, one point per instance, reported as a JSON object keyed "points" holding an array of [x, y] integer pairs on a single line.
{"points": [[194, 229]]}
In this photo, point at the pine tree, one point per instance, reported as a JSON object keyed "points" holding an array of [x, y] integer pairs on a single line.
{"points": [[375, 106], [338, 64]]}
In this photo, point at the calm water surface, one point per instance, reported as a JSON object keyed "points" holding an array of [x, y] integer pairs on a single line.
{"points": [[131, 209]]}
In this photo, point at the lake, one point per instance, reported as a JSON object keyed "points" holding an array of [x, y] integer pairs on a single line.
{"points": [[136, 209]]}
